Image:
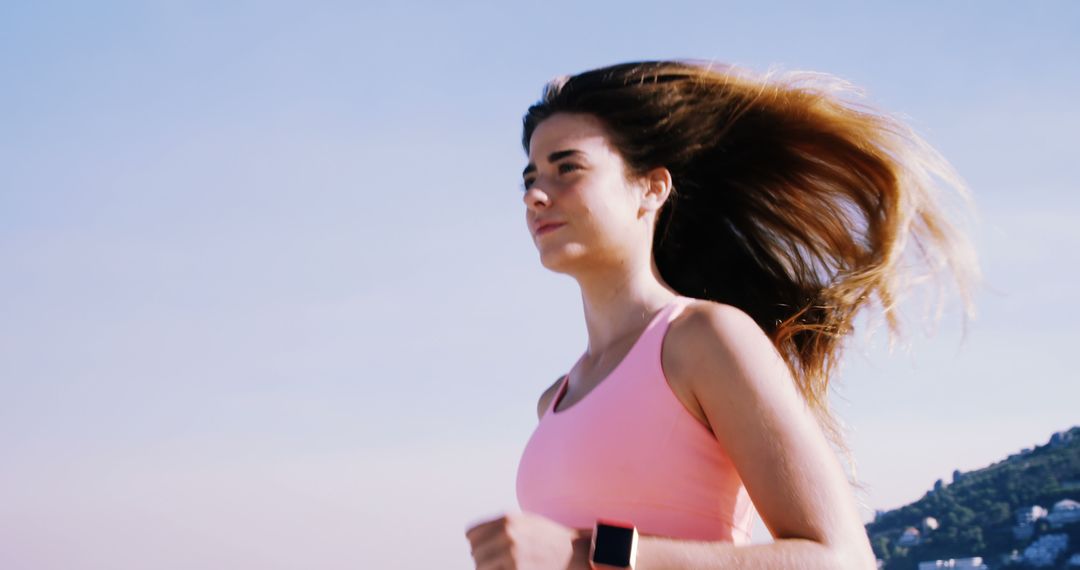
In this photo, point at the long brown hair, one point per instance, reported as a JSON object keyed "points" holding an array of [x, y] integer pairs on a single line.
{"points": [[791, 202]]}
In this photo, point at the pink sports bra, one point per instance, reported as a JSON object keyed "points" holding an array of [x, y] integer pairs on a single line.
{"points": [[631, 451]]}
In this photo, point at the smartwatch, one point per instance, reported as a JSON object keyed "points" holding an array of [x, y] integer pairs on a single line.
{"points": [[614, 545]]}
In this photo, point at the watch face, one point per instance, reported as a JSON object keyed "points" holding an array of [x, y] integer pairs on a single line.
{"points": [[613, 545]]}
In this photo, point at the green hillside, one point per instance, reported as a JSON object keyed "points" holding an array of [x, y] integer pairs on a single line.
{"points": [[976, 512]]}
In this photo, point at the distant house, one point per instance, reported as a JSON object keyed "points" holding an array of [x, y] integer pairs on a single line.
{"points": [[910, 537], [929, 524], [1025, 521], [1046, 549], [1028, 515], [1064, 512], [975, 562]]}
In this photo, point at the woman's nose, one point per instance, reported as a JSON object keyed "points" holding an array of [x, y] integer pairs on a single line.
{"points": [[536, 198]]}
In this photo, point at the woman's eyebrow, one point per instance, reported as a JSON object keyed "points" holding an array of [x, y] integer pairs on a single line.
{"points": [[559, 154]]}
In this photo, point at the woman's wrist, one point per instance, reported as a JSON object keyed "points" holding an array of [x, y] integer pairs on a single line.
{"points": [[582, 545]]}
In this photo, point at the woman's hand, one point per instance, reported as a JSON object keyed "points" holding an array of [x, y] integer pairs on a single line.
{"points": [[528, 541]]}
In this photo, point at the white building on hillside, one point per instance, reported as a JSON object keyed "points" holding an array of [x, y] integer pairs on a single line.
{"points": [[1025, 521], [929, 524], [910, 537], [974, 563], [1030, 514], [1064, 512]]}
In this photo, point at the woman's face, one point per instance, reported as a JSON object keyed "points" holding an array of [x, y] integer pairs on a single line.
{"points": [[575, 181]]}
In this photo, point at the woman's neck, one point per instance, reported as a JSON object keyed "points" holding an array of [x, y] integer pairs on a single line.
{"points": [[620, 309]]}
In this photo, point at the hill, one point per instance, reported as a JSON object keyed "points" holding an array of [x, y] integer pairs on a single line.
{"points": [[979, 512]]}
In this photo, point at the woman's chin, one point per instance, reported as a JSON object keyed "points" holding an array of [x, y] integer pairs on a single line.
{"points": [[559, 260], [551, 262]]}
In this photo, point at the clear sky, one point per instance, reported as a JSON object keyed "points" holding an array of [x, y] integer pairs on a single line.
{"points": [[268, 299]]}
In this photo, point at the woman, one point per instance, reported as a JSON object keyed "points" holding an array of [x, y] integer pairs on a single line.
{"points": [[724, 230]]}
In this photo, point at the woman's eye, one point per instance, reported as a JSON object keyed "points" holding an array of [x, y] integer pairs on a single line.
{"points": [[563, 169]]}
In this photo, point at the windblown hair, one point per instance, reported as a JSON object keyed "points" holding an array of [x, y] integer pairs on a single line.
{"points": [[791, 202]]}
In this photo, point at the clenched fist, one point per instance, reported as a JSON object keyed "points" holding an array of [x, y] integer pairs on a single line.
{"points": [[528, 541]]}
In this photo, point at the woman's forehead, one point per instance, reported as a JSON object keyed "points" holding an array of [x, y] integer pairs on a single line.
{"points": [[565, 131]]}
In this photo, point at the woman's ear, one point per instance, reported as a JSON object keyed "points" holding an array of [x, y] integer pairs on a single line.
{"points": [[657, 189]]}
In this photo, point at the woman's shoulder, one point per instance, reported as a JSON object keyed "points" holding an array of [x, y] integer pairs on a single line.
{"points": [[708, 341], [706, 324]]}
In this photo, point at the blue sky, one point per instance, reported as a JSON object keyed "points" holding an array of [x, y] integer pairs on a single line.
{"points": [[270, 302]]}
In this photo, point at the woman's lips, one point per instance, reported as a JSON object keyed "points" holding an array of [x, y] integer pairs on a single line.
{"points": [[546, 228]]}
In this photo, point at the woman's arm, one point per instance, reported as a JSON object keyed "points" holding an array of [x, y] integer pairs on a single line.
{"points": [[776, 445], [655, 552]]}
